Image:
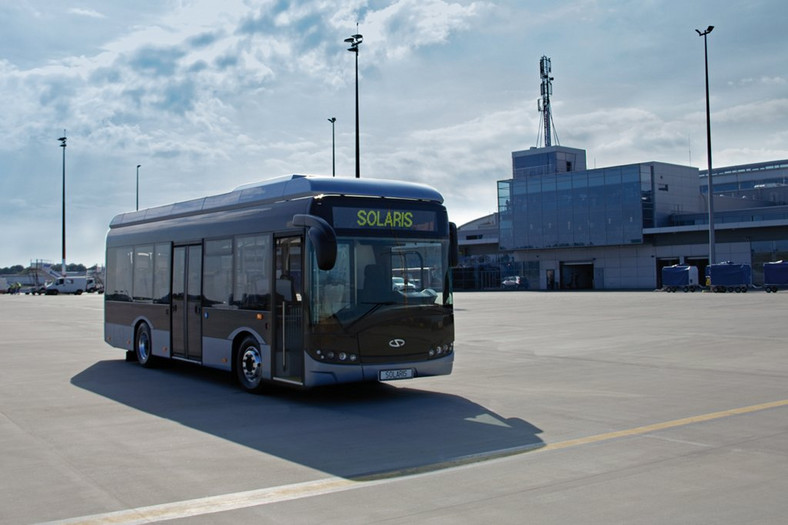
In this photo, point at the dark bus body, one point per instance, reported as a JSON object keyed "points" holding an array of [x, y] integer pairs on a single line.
{"points": [[291, 281]]}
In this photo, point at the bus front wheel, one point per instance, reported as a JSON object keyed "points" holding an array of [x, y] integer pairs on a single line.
{"points": [[142, 346], [249, 365]]}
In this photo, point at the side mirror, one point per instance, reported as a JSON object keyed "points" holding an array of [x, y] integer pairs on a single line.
{"points": [[323, 239], [454, 246]]}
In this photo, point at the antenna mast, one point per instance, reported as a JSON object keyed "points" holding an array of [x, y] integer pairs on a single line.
{"points": [[544, 103]]}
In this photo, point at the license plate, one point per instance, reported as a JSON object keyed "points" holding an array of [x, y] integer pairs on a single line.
{"points": [[393, 375]]}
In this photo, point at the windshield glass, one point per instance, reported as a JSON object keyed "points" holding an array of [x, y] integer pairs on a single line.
{"points": [[371, 273]]}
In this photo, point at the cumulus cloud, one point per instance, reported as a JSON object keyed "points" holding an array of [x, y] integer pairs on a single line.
{"points": [[90, 13], [410, 24], [207, 96]]}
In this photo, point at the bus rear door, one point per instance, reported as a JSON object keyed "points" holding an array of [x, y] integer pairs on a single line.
{"points": [[187, 302]]}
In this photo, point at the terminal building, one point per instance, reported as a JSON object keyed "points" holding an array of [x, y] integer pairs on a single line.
{"points": [[562, 226]]}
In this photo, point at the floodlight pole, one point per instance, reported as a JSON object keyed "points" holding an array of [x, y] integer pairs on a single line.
{"points": [[332, 120], [63, 145], [138, 186], [712, 250], [355, 41]]}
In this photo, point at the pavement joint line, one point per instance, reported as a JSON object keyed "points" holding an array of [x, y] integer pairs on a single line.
{"points": [[254, 498]]}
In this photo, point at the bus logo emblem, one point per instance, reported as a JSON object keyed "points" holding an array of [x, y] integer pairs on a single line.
{"points": [[397, 343]]}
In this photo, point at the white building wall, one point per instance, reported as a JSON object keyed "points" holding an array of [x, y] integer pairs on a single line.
{"points": [[615, 267], [629, 267]]}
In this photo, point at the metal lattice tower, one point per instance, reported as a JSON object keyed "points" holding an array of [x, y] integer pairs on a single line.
{"points": [[543, 104]]}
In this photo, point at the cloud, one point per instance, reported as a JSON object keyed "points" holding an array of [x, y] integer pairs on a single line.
{"points": [[207, 95], [410, 24], [754, 113], [90, 13], [159, 61], [764, 80]]}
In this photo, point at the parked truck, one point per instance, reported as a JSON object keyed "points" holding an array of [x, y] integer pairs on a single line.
{"points": [[775, 275], [680, 277], [729, 277], [74, 285]]}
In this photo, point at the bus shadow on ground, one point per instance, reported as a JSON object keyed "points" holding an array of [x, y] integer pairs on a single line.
{"points": [[350, 431]]}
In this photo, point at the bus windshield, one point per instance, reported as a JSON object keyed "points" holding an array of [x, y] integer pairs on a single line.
{"points": [[373, 273]]}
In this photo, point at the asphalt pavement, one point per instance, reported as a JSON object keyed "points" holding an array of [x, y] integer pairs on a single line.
{"points": [[565, 407]]}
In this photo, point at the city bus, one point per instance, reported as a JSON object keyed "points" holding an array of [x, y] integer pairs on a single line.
{"points": [[293, 281]]}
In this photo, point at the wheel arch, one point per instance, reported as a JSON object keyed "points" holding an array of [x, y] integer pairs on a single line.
{"points": [[238, 336]]}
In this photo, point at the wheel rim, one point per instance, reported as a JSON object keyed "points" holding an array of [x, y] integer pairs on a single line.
{"points": [[251, 365], [143, 346]]}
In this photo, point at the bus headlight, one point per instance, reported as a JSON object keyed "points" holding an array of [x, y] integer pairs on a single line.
{"points": [[336, 357], [441, 350]]}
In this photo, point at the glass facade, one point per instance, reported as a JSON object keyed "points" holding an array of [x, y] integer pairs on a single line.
{"points": [[544, 161], [601, 207]]}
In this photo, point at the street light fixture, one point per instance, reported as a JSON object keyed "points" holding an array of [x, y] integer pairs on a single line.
{"points": [[712, 251], [138, 186], [332, 120], [355, 41], [63, 145]]}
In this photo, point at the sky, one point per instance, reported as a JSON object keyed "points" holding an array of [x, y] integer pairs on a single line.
{"points": [[206, 96]]}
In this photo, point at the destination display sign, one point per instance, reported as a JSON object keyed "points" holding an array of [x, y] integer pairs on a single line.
{"points": [[364, 218]]}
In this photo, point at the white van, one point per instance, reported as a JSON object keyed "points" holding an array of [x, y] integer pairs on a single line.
{"points": [[75, 285]]}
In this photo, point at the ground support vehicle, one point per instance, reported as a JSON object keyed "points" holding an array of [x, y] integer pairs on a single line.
{"points": [[775, 276], [73, 285], [514, 282], [729, 277], [680, 277]]}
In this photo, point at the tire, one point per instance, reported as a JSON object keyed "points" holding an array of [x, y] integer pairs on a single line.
{"points": [[143, 348], [249, 365]]}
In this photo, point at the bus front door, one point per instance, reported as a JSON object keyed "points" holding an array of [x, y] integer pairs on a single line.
{"points": [[289, 311], [187, 302]]}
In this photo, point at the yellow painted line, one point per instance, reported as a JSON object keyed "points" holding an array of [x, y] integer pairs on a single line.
{"points": [[254, 498], [663, 426]]}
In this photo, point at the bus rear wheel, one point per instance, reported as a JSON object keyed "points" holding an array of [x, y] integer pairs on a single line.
{"points": [[249, 365], [143, 347]]}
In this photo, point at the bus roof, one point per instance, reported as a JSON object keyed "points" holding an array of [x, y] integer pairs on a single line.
{"points": [[285, 188]]}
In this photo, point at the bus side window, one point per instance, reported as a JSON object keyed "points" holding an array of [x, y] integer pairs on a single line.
{"points": [[252, 261]]}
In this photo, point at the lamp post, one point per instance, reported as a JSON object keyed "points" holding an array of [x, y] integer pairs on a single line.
{"points": [[138, 186], [332, 120], [712, 252], [355, 41], [63, 145]]}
